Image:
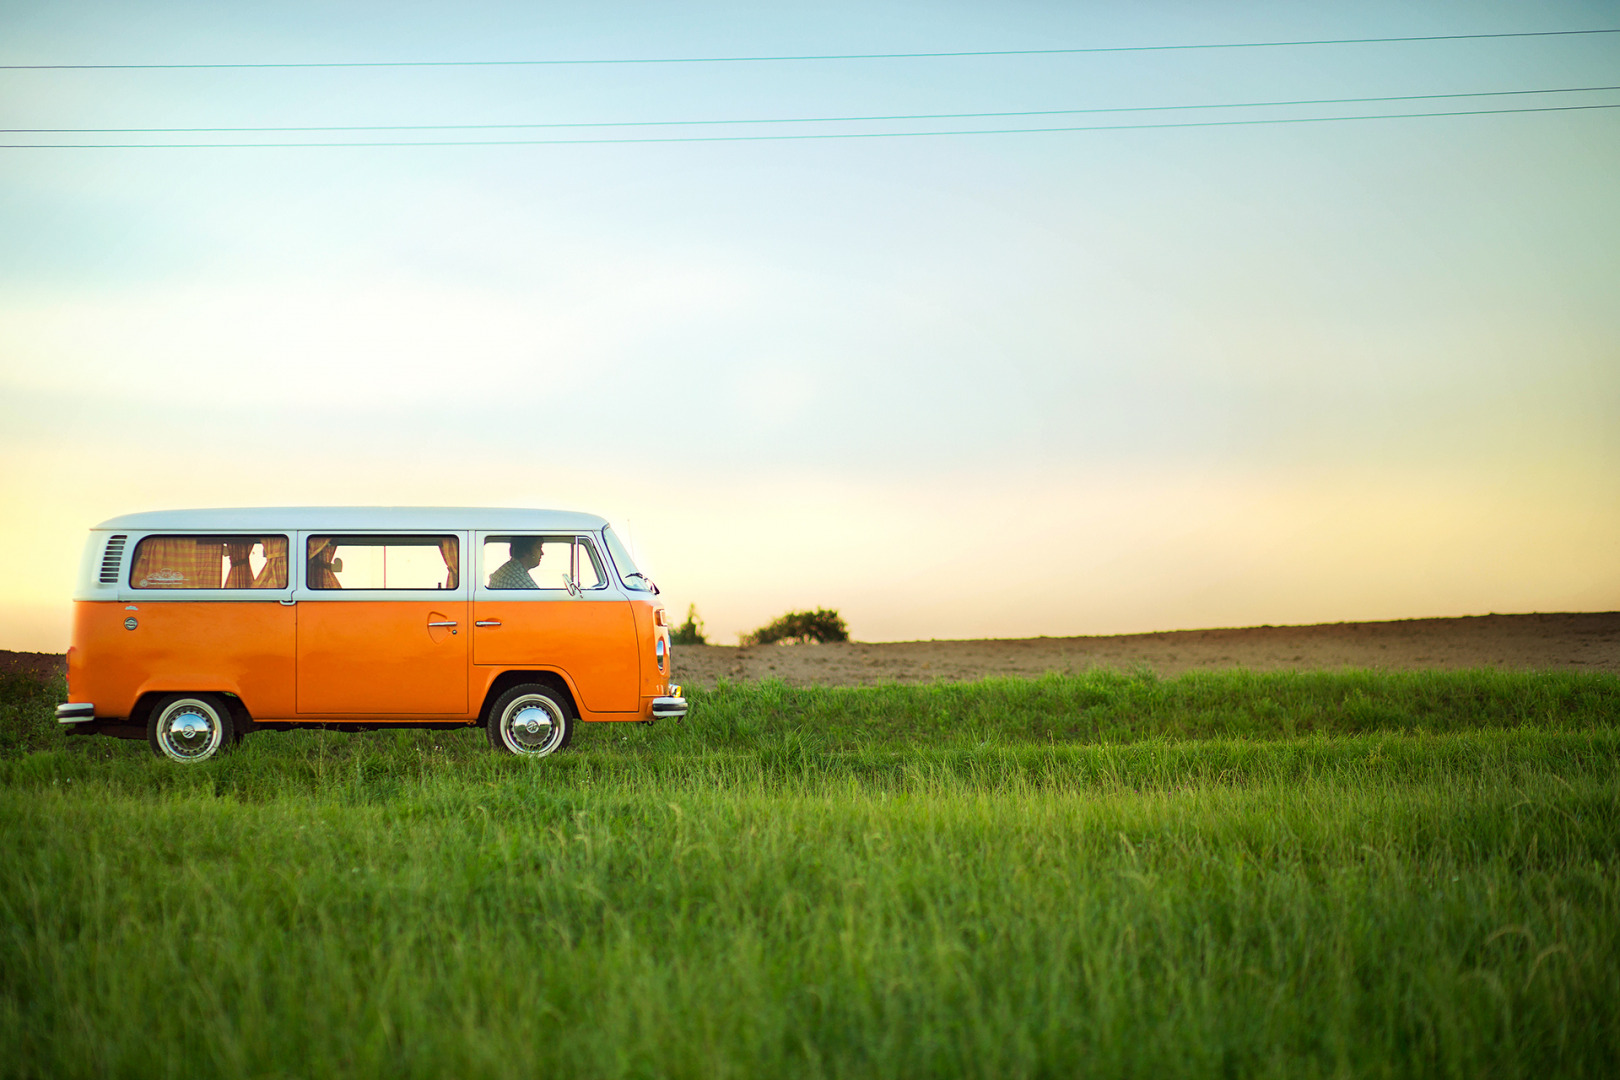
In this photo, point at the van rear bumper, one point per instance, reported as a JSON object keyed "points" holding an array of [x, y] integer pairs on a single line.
{"points": [[75, 712], [668, 707]]}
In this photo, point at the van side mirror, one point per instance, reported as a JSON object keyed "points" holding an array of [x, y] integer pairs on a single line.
{"points": [[571, 584]]}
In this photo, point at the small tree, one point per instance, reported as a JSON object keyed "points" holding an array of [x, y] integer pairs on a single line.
{"points": [[689, 632], [802, 627]]}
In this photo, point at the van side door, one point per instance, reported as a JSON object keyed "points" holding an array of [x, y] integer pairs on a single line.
{"points": [[382, 624], [548, 600]]}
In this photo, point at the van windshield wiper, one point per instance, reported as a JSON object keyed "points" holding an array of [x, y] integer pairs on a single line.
{"points": [[651, 584]]}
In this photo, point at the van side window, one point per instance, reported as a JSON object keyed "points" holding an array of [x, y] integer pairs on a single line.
{"points": [[591, 575], [541, 562], [209, 562], [383, 562]]}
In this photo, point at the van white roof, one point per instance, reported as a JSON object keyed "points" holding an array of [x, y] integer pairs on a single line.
{"points": [[351, 518]]}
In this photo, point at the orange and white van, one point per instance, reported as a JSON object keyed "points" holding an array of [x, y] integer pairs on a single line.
{"points": [[193, 628]]}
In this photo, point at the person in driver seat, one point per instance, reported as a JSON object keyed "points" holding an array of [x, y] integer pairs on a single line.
{"points": [[514, 572]]}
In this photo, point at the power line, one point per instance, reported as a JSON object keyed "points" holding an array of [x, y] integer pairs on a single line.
{"points": [[805, 57], [801, 119], [798, 137]]}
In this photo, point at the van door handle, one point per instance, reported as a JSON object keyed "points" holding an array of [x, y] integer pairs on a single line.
{"points": [[487, 622]]}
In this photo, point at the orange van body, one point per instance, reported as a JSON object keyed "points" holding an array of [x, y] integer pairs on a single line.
{"points": [[307, 653]]}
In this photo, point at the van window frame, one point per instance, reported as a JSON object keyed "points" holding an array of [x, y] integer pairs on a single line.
{"points": [[607, 587], [302, 593], [642, 584], [127, 592]]}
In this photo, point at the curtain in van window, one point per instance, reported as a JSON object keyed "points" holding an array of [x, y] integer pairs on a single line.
{"points": [[273, 575], [448, 552], [319, 572], [240, 575], [177, 562]]}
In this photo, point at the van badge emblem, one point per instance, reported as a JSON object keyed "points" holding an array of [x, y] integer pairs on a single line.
{"points": [[130, 623]]}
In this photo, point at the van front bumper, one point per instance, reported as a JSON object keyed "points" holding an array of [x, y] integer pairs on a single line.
{"points": [[75, 712], [667, 707]]}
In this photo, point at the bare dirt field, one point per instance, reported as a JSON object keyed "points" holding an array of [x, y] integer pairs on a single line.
{"points": [[1567, 642], [38, 664]]}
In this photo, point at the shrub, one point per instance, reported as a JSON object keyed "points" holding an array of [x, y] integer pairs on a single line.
{"points": [[689, 632], [803, 627]]}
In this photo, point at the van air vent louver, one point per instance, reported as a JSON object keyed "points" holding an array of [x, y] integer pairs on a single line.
{"points": [[110, 561]]}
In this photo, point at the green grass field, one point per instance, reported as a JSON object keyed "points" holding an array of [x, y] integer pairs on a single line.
{"points": [[1316, 874]]}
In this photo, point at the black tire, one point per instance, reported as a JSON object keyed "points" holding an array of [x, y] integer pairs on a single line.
{"points": [[530, 720], [188, 728]]}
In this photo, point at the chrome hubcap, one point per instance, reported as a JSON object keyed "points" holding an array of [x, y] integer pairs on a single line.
{"points": [[188, 731], [532, 725]]}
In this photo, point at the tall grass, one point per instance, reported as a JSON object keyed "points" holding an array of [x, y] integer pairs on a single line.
{"points": [[1095, 707], [28, 713], [1393, 875], [1113, 706]]}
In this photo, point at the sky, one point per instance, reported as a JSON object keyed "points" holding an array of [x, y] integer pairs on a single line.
{"points": [[1014, 384]]}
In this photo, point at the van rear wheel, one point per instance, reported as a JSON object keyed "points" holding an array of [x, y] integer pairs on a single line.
{"points": [[190, 727], [530, 720]]}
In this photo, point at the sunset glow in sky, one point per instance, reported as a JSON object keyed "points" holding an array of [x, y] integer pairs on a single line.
{"points": [[955, 386]]}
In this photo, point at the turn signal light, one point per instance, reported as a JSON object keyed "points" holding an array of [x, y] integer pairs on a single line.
{"points": [[660, 617]]}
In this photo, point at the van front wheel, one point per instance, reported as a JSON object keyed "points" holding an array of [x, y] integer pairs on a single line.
{"points": [[531, 720], [190, 727]]}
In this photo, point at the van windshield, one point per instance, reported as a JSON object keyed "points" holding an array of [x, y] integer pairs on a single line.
{"points": [[633, 578]]}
